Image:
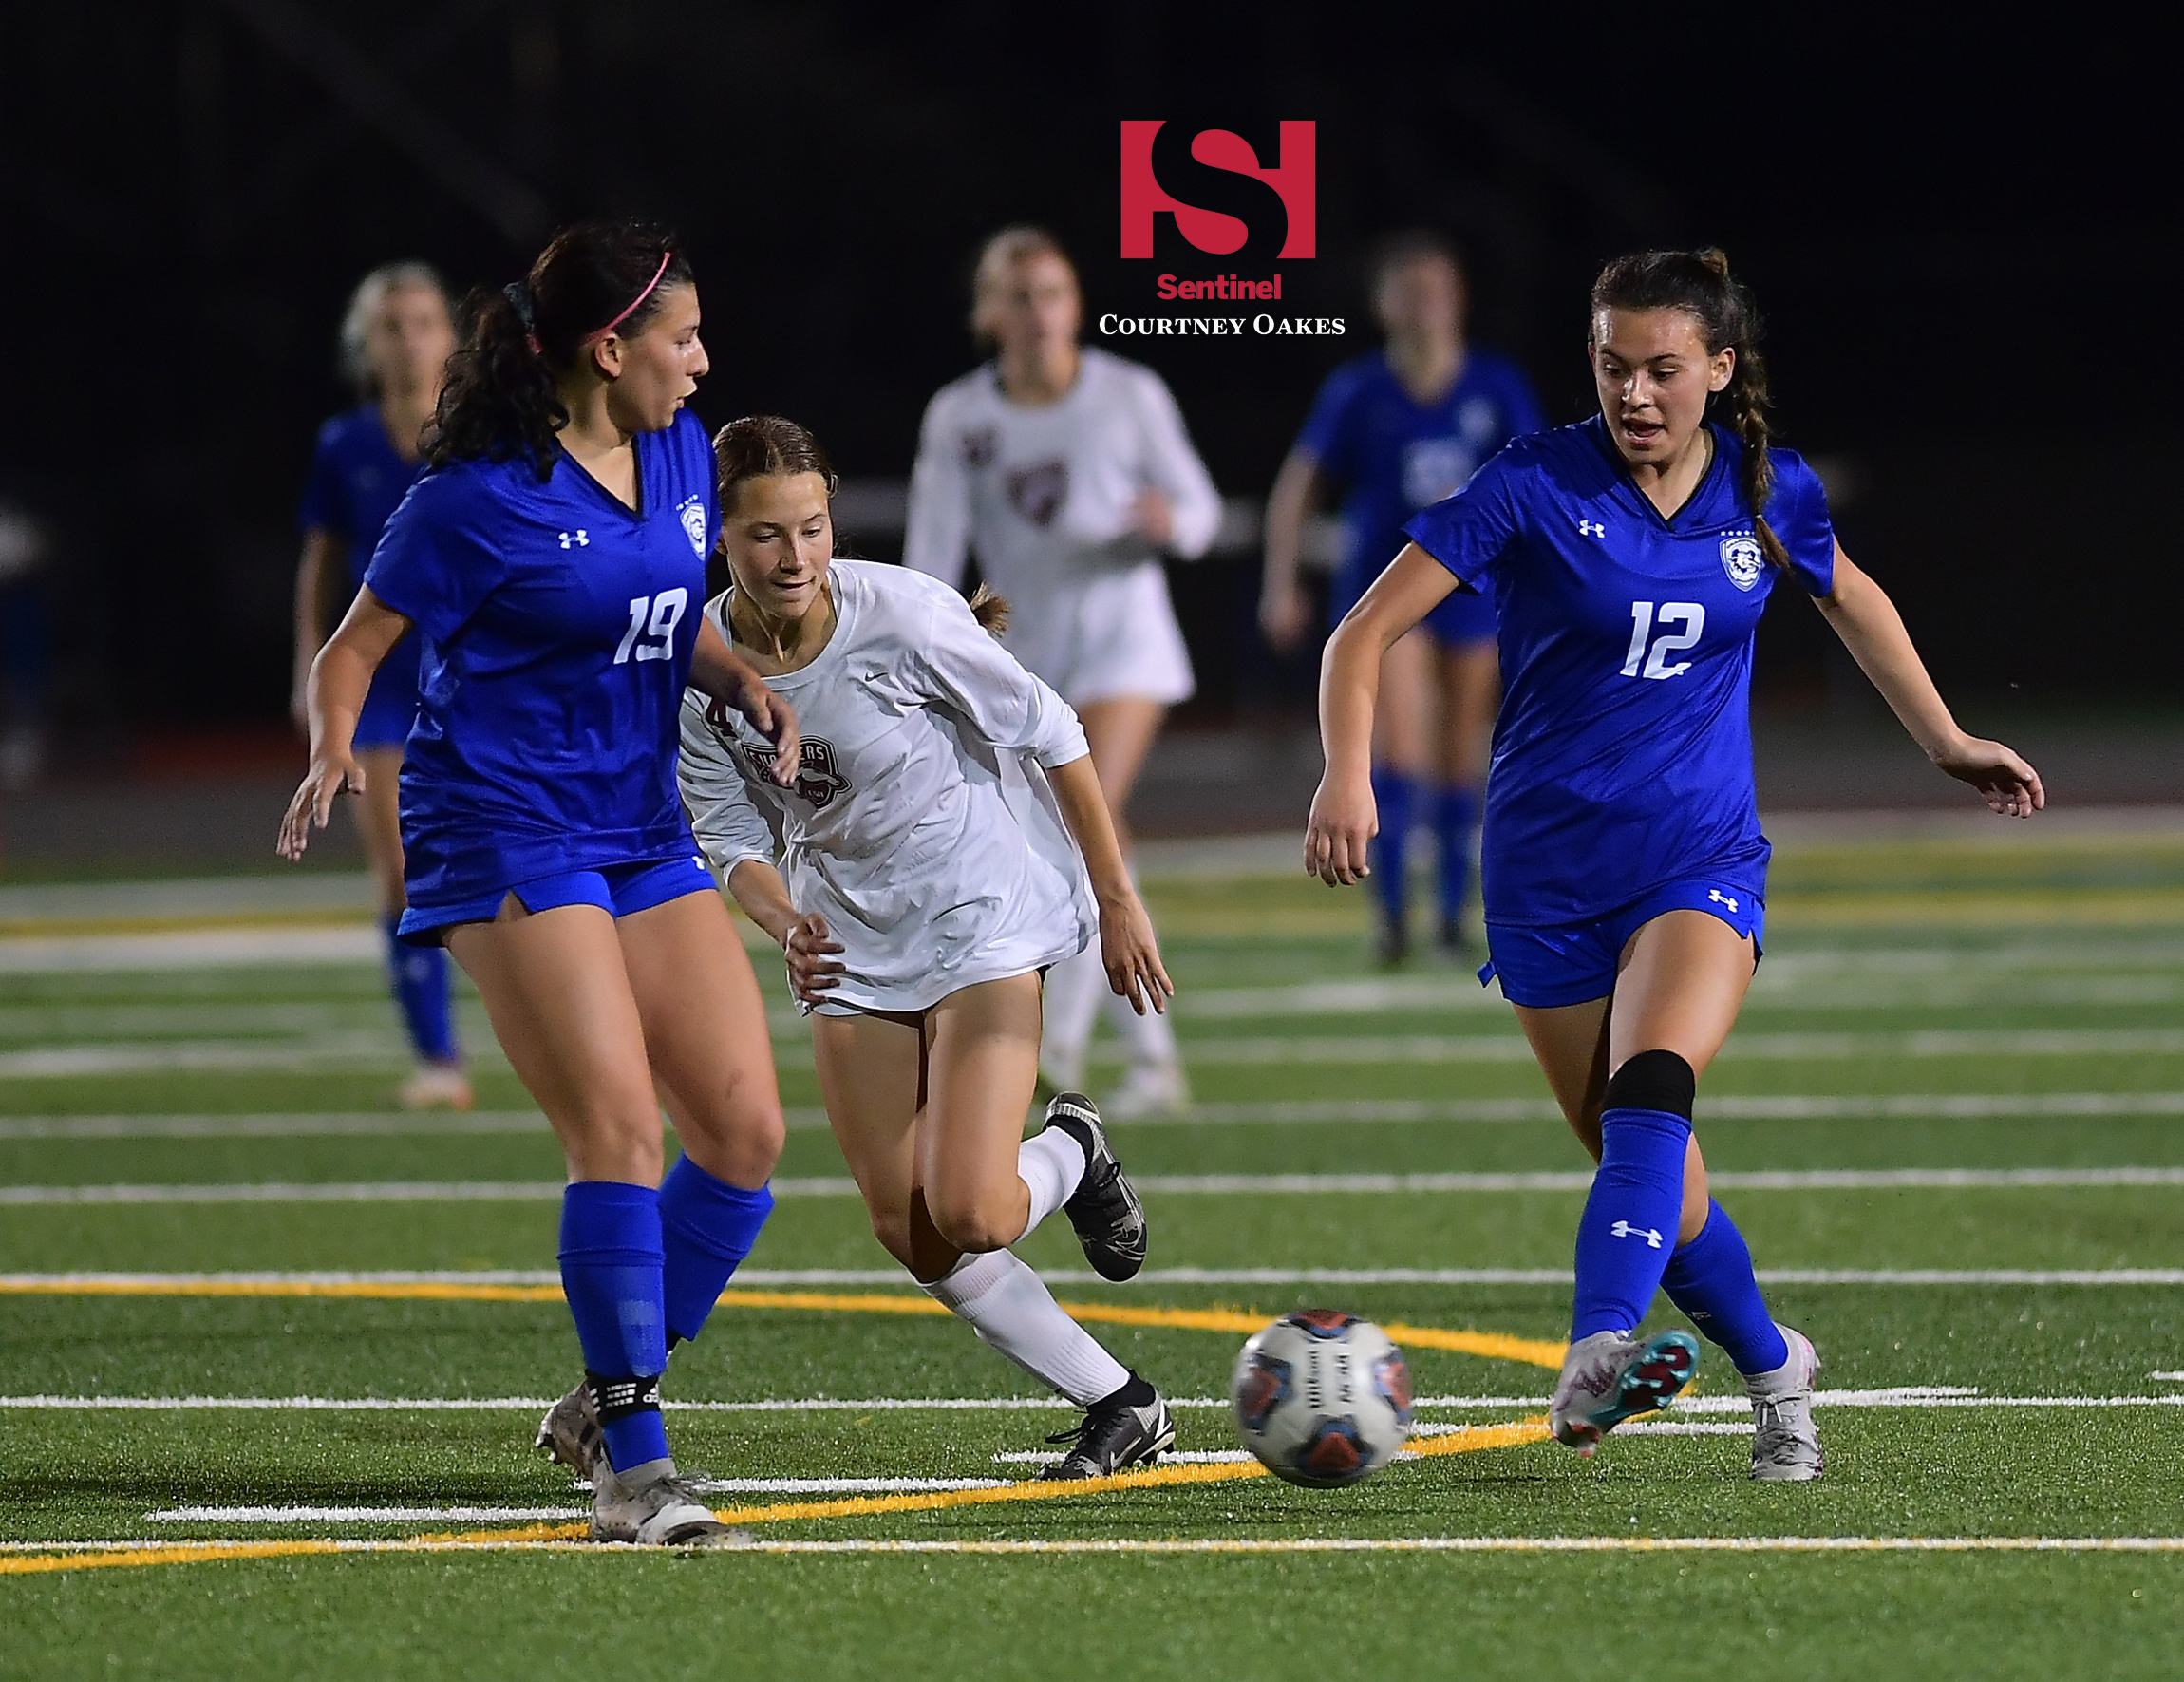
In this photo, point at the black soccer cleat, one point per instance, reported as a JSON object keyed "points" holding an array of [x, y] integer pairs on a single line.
{"points": [[1109, 1220], [1130, 1427]]}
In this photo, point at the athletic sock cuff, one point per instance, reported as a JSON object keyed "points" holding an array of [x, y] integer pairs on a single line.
{"points": [[971, 1278], [712, 1215]]}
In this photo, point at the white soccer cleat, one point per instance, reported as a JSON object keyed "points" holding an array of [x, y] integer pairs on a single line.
{"points": [[1785, 1443], [1148, 1089], [436, 1086], [571, 1433], [655, 1508], [1610, 1377]]}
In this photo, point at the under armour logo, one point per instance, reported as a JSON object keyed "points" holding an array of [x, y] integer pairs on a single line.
{"points": [[582, 540], [1623, 1229], [1720, 899], [1591, 528]]}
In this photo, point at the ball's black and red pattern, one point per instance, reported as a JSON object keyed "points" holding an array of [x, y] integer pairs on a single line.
{"points": [[1265, 1387], [1391, 1378], [1323, 1322], [1335, 1454]]}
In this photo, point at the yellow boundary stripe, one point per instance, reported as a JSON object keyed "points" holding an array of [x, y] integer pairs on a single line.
{"points": [[1492, 1345], [1464, 1442]]}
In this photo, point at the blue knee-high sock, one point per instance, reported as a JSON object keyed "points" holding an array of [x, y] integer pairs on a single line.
{"points": [[419, 974], [1710, 1279], [707, 1227], [1397, 797], [610, 1262], [1455, 815], [1629, 1229]]}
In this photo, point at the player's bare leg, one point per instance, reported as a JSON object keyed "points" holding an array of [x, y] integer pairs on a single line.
{"points": [[558, 995], [928, 1113], [437, 1082], [1402, 757]]}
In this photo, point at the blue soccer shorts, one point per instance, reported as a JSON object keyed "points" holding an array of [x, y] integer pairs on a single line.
{"points": [[1570, 963], [619, 890]]}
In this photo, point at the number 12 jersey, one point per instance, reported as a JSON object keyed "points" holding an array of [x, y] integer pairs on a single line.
{"points": [[1623, 753]]}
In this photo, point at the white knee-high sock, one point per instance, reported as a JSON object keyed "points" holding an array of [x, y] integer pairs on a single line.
{"points": [[1012, 1310], [1073, 990], [1051, 1165]]}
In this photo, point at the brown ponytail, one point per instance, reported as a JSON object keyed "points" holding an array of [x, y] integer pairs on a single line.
{"points": [[990, 611], [1698, 283]]}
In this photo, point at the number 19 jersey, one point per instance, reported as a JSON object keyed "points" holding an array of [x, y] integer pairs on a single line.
{"points": [[1623, 753], [557, 625]]}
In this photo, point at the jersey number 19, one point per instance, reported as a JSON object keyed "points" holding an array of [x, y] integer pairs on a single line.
{"points": [[1646, 620], [654, 618]]}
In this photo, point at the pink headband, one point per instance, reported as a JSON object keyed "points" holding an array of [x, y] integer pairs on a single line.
{"points": [[594, 337]]}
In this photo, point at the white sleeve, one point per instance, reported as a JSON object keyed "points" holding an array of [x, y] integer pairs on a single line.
{"points": [[728, 824], [936, 536], [1176, 469], [960, 664]]}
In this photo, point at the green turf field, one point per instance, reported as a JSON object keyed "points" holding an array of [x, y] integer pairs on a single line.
{"points": [[1951, 1124]]}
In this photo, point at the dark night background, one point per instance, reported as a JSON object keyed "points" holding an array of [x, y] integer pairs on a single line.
{"points": [[1963, 238]]}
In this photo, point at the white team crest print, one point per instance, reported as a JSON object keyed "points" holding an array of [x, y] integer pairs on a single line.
{"points": [[1743, 560], [693, 514], [1434, 469]]}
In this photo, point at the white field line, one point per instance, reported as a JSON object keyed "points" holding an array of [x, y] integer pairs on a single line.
{"points": [[399, 1191], [363, 1123], [768, 1278], [1797, 982], [1907, 1396], [332, 1515], [371, 1050], [1432, 1049], [1948, 1105], [193, 949], [183, 1551]]}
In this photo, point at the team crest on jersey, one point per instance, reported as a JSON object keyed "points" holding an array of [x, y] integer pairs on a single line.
{"points": [[1743, 560], [819, 779], [692, 514], [1038, 492], [978, 448]]}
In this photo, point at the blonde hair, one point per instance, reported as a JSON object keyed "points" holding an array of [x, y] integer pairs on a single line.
{"points": [[997, 261], [364, 304]]}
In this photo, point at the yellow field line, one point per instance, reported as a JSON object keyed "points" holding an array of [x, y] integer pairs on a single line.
{"points": [[1463, 1442], [1492, 1345]]}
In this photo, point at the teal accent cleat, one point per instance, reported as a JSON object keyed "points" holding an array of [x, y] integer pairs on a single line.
{"points": [[1610, 1377]]}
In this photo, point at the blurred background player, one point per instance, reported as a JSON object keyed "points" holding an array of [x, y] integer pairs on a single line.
{"points": [[552, 562], [1629, 557], [944, 842], [1068, 472], [1399, 429], [395, 343]]}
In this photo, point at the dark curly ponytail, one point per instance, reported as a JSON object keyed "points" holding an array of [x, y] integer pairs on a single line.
{"points": [[1698, 283], [500, 400]]}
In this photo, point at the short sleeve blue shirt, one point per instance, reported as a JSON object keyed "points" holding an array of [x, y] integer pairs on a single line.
{"points": [[1395, 456], [357, 481], [556, 626], [1623, 753]]}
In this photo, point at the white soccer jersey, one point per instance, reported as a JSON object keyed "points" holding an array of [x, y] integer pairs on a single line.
{"points": [[1042, 496], [921, 825]]}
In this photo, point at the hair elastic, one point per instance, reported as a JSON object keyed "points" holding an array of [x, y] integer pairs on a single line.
{"points": [[592, 338]]}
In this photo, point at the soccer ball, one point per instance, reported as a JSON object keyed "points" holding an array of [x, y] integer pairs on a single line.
{"points": [[1323, 1398]]}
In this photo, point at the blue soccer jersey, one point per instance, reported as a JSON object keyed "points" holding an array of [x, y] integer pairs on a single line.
{"points": [[1395, 456], [557, 627], [1623, 755], [357, 481]]}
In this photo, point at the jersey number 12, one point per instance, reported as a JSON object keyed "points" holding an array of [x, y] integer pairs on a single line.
{"points": [[654, 618], [1645, 620]]}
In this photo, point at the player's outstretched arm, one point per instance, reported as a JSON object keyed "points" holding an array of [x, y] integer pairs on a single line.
{"points": [[340, 677], [1874, 631], [1127, 948], [805, 940], [719, 672], [1345, 817]]}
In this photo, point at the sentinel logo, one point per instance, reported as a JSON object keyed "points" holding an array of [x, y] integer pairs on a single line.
{"points": [[1294, 177]]}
